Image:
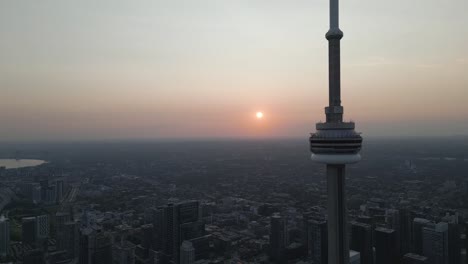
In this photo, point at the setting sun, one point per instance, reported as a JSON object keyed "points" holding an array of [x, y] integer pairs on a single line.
{"points": [[259, 115]]}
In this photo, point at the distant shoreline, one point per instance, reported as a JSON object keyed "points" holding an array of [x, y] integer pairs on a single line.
{"points": [[20, 163]]}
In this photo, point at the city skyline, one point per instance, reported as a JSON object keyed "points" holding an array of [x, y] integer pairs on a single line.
{"points": [[79, 71]]}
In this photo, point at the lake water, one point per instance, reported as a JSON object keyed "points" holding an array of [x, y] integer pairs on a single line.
{"points": [[20, 163]]}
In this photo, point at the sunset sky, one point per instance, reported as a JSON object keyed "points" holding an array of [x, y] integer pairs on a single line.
{"points": [[117, 69]]}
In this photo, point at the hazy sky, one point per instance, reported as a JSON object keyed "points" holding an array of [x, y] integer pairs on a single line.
{"points": [[90, 69]]}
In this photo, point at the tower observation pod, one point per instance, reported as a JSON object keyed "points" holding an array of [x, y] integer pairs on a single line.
{"points": [[335, 143]]}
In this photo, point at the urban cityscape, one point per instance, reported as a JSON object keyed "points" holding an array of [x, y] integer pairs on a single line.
{"points": [[234, 202]]}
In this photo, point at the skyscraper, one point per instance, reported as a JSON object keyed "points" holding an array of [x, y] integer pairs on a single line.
{"points": [[335, 143], [317, 241], [361, 241], [60, 220], [71, 239], [95, 247], [418, 225], [175, 216], [435, 243], [454, 243], [201, 246], [277, 238], [59, 190], [123, 252], [158, 225], [28, 230], [187, 253], [386, 251], [4, 235], [406, 230], [42, 227]]}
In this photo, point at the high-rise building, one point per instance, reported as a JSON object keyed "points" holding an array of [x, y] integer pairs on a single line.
{"points": [[28, 230], [85, 234], [386, 251], [188, 212], [465, 242], [201, 246], [335, 143], [4, 236], [42, 227], [148, 238], [95, 247], [411, 258], [317, 241], [175, 216], [191, 230], [187, 253], [50, 195], [418, 225], [124, 252], [59, 190], [454, 243], [393, 219], [170, 232], [277, 238], [435, 243], [61, 219], [158, 225], [36, 194], [71, 239], [361, 241], [406, 230]]}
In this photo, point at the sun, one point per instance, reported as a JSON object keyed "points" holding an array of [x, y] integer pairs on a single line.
{"points": [[259, 115]]}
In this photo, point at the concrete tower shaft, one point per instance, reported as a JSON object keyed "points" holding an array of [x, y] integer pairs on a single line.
{"points": [[335, 143]]}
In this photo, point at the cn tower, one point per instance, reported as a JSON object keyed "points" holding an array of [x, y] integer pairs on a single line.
{"points": [[335, 143]]}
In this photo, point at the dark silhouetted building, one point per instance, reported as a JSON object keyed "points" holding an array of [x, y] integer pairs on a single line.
{"points": [[201, 246], [361, 241], [435, 243], [277, 238], [317, 241], [95, 247], [71, 239], [454, 243], [418, 225], [187, 253], [4, 236], [406, 230], [59, 189], [60, 220], [42, 227], [386, 251], [177, 222], [123, 252], [28, 230]]}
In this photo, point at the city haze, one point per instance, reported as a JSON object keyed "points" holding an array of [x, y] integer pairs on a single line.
{"points": [[202, 69]]}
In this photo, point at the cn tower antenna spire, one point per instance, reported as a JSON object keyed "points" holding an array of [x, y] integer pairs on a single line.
{"points": [[334, 14], [335, 143]]}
